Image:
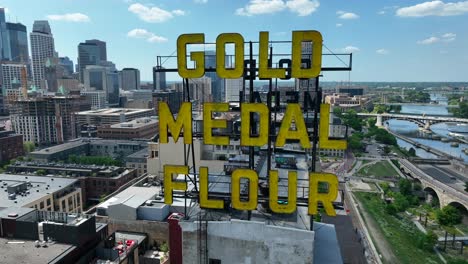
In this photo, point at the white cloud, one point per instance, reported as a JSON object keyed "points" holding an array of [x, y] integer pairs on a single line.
{"points": [[339, 25], [178, 12], [434, 8], [71, 17], [382, 51], [428, 41], [350, 49], [201, 1], [303, 7], [153, 14], [157, 39], [145, 34], [447, 37], [260, 7], [346, 15], [381, 12]]}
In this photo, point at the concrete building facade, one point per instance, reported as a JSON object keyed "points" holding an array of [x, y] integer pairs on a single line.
{"points": [[129, 79], [144, 128], [42, 47]]}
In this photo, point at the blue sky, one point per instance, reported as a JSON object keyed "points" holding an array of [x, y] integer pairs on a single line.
{"points": [[390, 40]]}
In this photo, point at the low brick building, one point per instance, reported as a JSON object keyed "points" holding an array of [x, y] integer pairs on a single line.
{"points": [[11, 145], [144, 128]]}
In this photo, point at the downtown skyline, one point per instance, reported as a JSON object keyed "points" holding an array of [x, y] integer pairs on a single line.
{"points": [[390, 41]]}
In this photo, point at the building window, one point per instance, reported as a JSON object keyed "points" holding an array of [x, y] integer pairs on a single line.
{"points": [[63, 205], [214, 261], [41, 205], [48, 202]]}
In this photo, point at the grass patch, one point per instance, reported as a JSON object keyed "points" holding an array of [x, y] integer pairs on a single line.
{"points": [[381, 169], [399, 231]]}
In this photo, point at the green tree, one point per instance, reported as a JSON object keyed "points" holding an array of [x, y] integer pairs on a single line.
{"points": [[41, 172], [390, 209], [401, 203], [427, 241], [405, 187], [385, 187], [29, 147], [461, 111], [449, 216]]}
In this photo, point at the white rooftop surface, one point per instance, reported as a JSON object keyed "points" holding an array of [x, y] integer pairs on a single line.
{"points": [[132, 196], [139, 122], [114, 111]]}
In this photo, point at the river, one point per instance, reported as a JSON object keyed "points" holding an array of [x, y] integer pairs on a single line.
{"points": [[412, 131]]}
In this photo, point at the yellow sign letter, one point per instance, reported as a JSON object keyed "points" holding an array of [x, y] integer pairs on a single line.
{"points": [[290, 205], [252, 176], [204, 201], [262, 110], [324, 141], [293, 112], [169, 185], [264, 71], [327, 199], [167, 122], [198, 57], [238, 41], [209, 123], [315, 58]]}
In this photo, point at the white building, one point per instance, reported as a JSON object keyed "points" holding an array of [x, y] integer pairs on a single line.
{"points": [[42, 47], [11, 73], [102, 78], [97, 99]]}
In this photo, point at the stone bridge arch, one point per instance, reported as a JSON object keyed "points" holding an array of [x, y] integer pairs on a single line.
{"points": [[431, 194], [462, 209]]}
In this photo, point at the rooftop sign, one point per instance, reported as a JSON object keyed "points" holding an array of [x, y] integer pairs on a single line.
{"points": [[293, 117]]}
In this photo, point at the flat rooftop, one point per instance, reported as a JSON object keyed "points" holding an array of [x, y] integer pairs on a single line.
{"points": [[61, 147], [137, 123], [25, 251], [142, 154], [40, 187], [114, 112]]}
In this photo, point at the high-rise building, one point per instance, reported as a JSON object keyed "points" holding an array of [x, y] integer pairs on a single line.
{"points": [[88, 54], [67, 64], [18, 43], [100, 78], [217, 84], [97, 99], [42, 48], [102, 47], [233, 87], [47, 120], [11, 82], [4, 43], [130, 79], [52, 72], [159, 79]]}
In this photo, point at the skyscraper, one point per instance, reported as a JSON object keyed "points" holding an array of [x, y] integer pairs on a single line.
{"points": [[67, 64], [100, 78], [4, 44], [217, 84], [88, 54], [42, 48], [159, 79], [102, 47], [18, 42], [130, 79]]}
